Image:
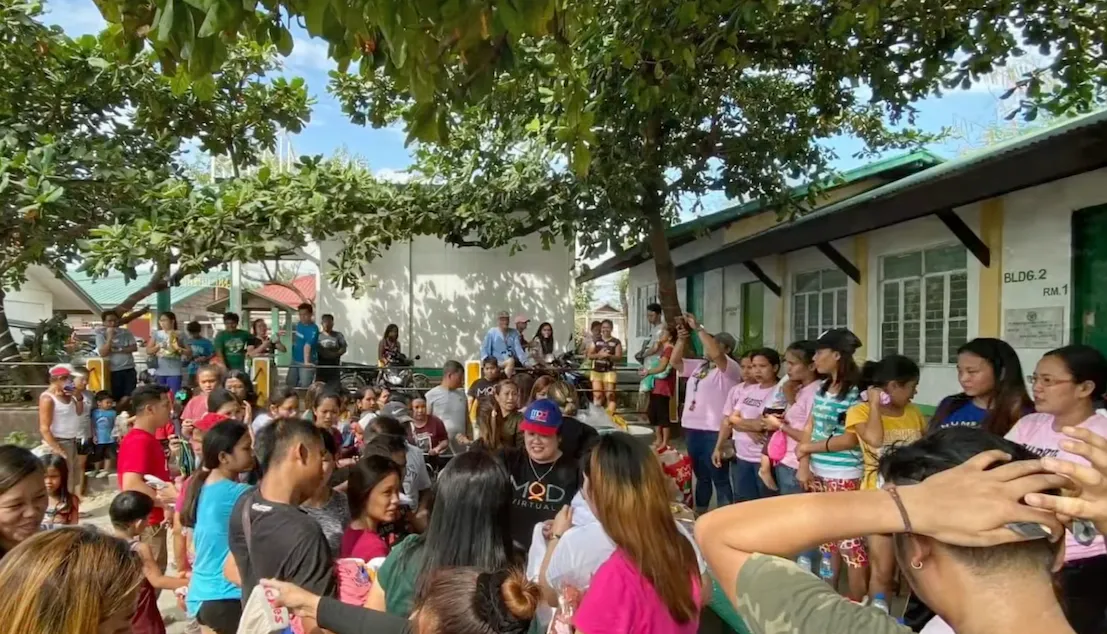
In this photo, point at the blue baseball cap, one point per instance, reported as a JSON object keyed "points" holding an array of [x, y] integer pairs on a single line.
{"points": [[542, 417]]}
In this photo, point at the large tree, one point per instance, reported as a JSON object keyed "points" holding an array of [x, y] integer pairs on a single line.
{"points": [[633, 108], [621, 109], [91, 144]]}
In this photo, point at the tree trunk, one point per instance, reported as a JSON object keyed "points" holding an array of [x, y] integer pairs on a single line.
{"points": [[663, 265], [9, 349]]}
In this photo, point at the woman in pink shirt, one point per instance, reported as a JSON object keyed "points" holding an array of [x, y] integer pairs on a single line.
{"points": [[709, 382], [651, 583], [802, 384], [743, 417], [1069, 385]]}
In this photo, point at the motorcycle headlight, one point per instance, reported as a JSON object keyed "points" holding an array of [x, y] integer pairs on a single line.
{"points": [[394, 378]]}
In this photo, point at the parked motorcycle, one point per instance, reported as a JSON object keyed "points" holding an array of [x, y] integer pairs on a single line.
{"points": [[354, 377], [399, 375], [564, 367]]}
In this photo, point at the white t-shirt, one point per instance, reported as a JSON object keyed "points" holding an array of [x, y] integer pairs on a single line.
{"points": [[579, 553]]}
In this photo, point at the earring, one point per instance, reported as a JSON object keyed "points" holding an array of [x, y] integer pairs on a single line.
{"points": [[916, 565]]}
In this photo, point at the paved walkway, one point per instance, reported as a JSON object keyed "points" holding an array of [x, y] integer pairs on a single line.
{"points": [[95, 505]]}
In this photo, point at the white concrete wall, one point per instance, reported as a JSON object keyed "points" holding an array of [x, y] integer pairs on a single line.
{"points": [[722, 291], [444, 298], [938, 380], [33, 302], [1037, 239]]}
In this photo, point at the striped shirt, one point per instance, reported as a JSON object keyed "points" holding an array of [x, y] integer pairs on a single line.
{"points": [[829, 416]]}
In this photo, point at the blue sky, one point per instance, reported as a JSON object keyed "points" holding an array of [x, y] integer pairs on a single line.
{"points": [[968, 112]]}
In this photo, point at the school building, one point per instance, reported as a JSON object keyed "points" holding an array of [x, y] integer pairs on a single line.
{"points": [[914, 254]]}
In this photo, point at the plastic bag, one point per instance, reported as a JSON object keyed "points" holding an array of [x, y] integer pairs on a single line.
{"points": [[678, 470]]}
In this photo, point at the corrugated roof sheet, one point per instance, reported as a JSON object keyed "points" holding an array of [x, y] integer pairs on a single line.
{"points": [[305, 284], [960, 164], [111, 290]]}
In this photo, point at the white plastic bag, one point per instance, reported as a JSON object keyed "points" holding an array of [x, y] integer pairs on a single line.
{"points": [[260, 615]]}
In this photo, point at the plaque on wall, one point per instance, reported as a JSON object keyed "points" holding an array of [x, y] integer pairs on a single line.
{"points": [[1034, 328]]}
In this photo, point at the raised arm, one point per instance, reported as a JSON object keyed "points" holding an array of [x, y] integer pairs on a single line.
{"points": [[711, 348]]}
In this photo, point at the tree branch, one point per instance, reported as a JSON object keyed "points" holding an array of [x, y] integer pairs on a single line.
{"points": [[160, 281]]}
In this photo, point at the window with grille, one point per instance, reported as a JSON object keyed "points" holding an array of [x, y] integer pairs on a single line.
{"points": [[924, 304], [819, 303], [644, 296]]}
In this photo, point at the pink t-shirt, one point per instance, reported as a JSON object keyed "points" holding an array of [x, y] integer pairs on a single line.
{"points": [[749, 401], [796, 416], [622, 601], [196, 407], [362, 544], [704, 398], [1036, 433]]}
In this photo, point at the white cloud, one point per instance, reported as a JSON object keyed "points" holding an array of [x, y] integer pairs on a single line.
{"points": [[309, 55], [75, 17], [393, 175]]}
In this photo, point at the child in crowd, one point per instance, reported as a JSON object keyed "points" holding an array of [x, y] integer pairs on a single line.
{"points": [[367, 406], [203, 350], [314, 391], [86, 447], [885, 417], [284, 403], [62, 507], [104, 434], [208, 378], [128, 513]]}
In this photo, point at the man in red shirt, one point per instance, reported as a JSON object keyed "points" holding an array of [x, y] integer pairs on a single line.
{"points": [[141, 455]]}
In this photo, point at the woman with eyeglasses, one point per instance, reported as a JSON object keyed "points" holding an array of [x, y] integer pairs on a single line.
{"points": [[1069, 385]]}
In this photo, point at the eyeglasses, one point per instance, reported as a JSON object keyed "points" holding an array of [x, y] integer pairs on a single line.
{"points": [[1047, 381]]}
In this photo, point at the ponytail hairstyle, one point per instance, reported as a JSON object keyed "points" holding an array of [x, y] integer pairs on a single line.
{"points": [[490, 424], [220, 397], [1087, 365], [472, 601], [280, 395], [848, 375], [1010, 400], [220, 439], [894, 368]]}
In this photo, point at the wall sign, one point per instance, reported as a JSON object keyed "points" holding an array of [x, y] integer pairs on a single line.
{"points": [[1042, 328]]}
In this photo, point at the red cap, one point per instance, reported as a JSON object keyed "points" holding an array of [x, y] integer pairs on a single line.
{"points": [[60, 370], [209, 420]]}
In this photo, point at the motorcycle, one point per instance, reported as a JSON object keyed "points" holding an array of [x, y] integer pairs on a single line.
{"points": [[564, 367], [399, 375], [354, 377]]}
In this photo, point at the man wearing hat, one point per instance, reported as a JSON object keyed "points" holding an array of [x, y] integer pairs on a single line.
{"points": [[60, 411], [504, 344], [542, 477]]}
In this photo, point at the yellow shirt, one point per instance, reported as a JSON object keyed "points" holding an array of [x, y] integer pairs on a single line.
{"points": [[897, 430]]}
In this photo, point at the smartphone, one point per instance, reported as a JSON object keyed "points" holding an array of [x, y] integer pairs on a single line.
{"points": [[773, 411], [1029, 530], [155, 482]]}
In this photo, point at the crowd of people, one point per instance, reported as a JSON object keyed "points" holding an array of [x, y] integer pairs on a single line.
{"points": [[495, 509]]}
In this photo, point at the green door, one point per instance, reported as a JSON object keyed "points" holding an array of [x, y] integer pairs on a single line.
{"points": [[1089, 269], [694, 304], [753, 316]]}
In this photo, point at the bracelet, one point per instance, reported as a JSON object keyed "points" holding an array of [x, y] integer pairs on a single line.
{"points": [[891, 489], [828, 443], [554, 536]]}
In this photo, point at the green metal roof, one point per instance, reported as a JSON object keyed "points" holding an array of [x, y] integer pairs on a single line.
{"points": [[111, 290], [963, 163], [685, 232], [1061, 150]]}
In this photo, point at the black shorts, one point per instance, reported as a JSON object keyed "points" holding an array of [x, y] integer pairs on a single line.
{"points": [[104, 452], [85, 447], [222, 615], [123, 383], [657, 412]]}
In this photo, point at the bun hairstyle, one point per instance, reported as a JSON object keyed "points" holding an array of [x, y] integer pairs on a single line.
{"points": [[894, 368], [472, 601]]}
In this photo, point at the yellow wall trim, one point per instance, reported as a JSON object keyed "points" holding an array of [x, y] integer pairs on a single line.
{"points": [[991, 277], [757, 223], [861, 294]]}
